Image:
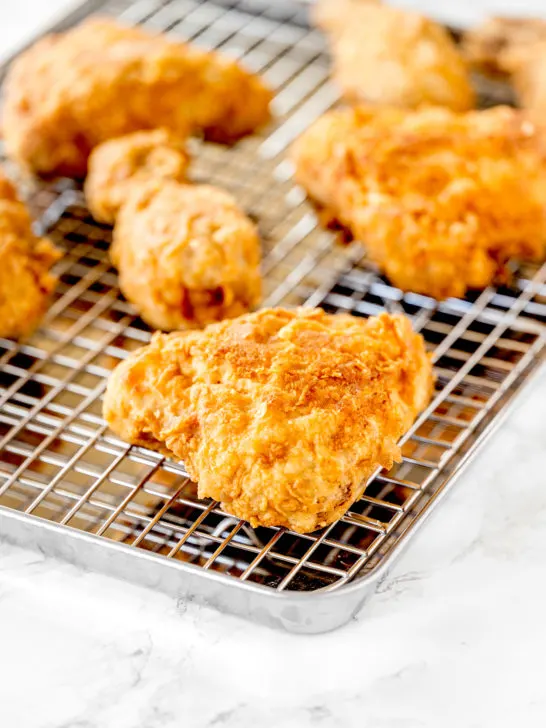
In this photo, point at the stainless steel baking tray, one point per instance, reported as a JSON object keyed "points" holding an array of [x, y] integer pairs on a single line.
{"points": [[72, 489]]}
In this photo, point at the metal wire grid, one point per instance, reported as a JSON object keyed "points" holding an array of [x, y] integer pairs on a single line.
{"points": [[58, 461]]}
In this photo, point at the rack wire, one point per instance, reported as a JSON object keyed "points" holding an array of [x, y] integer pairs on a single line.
{"points": [[59, 462]]}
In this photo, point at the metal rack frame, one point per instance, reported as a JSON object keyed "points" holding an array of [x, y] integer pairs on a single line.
{"points": [[71, 488]]}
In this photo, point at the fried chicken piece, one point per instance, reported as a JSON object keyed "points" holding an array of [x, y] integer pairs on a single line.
{"points": [[116, 165], [25, 280], [392, 57], [100, 80], [529, 79], [500, 45], [281, 415], [186, 255], [441, 200], [514, 48]]}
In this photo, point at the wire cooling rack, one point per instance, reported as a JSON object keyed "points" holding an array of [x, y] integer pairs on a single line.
{"points": [[60, 465]]}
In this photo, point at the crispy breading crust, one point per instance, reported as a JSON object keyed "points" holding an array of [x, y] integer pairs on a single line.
{"points": [[441, 200], [281, 415], [116, 165], [72, 91], [392, 57], [186, 255], [25, 280]]}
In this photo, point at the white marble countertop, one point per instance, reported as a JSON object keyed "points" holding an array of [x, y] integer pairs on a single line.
{"points": [[455, 637]]}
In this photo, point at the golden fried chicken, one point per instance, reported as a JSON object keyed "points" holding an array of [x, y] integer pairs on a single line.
{"points": [[281, 415], [440, 200], [392, 57], [516, 48], [499, 45], [73, 90], [25, 280], [116, 165], [529, 79], [186, 255]]}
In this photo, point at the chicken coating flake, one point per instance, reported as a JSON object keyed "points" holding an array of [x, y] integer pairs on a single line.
{"points": [[100, 80], [441, 200], [281, 415], [116, 165], [186, 255], [392, 57], [25, 280]]}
